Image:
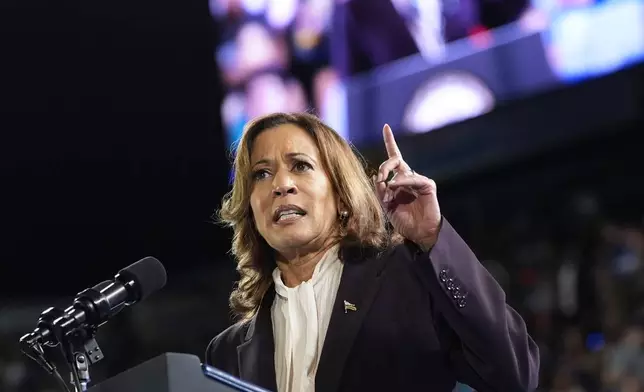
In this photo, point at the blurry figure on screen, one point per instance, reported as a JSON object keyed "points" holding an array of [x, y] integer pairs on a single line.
{"points": [[280, 13], [254, 7], [296, 100], [227, 60], [268, 93], [228, 9], [265, 93], [330, 100], [253, 49], [446, 99], [369, 33], [425, 24], [310, 25], [233, 113], [258, 50]]}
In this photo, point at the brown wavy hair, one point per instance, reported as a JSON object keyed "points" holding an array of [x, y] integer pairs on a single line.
{"points": [[365, 225]]}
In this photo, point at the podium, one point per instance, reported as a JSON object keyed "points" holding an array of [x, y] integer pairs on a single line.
{"points": [[174, 372]]}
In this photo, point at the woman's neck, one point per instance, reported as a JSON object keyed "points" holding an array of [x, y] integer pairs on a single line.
{"points": [[300, 267]]}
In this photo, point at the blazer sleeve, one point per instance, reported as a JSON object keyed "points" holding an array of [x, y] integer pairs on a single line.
{"points": [[493, 350]]}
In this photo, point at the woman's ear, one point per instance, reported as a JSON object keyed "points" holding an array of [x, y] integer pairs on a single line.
{"points": [[342, 208]]}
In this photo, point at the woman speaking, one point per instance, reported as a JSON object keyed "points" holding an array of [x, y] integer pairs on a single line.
{"points": [[351, 283]]}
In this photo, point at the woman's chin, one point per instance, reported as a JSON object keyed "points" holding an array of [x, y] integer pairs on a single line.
{"points": [[292, 240]]}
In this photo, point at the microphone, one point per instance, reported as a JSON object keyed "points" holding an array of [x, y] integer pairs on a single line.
{"points": [[94, 306]]}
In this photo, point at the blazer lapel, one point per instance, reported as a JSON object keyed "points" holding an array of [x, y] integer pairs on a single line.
{"points": [[358, 286], [256, 355]]}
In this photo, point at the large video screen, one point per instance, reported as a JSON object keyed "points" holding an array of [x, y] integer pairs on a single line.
{"points": [[329, 56]]}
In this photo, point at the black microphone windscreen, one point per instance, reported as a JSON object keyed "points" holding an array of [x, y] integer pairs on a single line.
{"points": [[148, 273]]}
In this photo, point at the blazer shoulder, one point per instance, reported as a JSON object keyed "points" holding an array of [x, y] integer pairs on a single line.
{"points": [[221, 352], [396, 259], [404, 252]]}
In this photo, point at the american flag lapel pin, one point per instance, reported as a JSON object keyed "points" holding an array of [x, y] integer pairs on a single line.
{"points": [[349, 306]]}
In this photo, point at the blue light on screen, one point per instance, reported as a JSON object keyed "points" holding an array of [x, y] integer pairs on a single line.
{"points": [[592, 41]]}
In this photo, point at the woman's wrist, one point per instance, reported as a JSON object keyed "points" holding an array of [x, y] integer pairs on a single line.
{"points": [[426, 244]]}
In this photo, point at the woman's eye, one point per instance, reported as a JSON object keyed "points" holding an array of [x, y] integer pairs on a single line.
{"points": [[260, 174], [302, 166]]}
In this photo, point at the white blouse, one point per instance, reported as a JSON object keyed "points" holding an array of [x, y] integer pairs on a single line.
{"points": [[300, 318]]}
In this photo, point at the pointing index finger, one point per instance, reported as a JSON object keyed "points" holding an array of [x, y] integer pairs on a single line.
{"points": [[390, 142]]}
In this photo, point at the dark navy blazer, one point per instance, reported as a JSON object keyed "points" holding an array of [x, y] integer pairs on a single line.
{"points": [[423, 321]]}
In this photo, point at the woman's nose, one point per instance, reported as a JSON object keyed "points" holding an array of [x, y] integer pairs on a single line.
{"points": [[283, 185], [282, 190]]}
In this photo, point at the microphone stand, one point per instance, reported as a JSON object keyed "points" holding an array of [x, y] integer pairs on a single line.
{"points": [[78, 346], [80, 350]]}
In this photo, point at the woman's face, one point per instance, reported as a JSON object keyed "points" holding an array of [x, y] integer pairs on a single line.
{"points": [[292, 199]]}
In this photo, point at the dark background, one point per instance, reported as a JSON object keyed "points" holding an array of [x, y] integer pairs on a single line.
{"points": [[111, 150], [110, 139]]}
